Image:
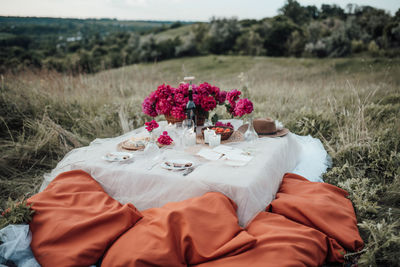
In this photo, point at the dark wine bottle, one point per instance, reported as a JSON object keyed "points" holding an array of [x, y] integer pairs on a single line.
{"points": [[191, 107]]}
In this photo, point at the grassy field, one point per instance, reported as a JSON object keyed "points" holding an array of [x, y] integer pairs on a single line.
{"points": [[352, 105]]}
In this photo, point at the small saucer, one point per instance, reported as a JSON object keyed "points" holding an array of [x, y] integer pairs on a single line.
{"points": [[177, 164], [117, 156]]}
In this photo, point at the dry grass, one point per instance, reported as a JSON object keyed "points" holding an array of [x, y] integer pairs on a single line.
{"points": [[352, 105]]}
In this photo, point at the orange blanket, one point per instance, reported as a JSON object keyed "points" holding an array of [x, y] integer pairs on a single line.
{"points": [[76, 222], [306, 225], [182, 233], [321, 206]]}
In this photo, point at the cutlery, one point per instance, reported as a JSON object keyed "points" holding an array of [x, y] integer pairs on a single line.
{"points": [[152, 166], [188, 171]]}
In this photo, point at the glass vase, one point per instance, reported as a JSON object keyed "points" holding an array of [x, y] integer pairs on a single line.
{"points": [[250, 135]]}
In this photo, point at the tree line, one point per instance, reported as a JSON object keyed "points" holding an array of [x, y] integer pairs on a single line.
{"points": [[297, 31]]}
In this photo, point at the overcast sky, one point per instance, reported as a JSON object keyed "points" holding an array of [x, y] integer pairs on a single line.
{"points": [[193, 10]]}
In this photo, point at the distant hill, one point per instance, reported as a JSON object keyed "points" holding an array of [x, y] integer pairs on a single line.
{"points": [[62, 43], [91, 45], [39, 26]]}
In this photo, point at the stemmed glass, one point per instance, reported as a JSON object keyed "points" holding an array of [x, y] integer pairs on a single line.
{"points": [[188, 125], [189, 135], [151, 149]]}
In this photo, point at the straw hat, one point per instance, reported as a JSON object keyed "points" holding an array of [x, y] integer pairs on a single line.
{"points": [[265, 128]]}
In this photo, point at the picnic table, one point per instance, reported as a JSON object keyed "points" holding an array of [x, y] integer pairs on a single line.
{"points": [[143, 182], [184, 219]]}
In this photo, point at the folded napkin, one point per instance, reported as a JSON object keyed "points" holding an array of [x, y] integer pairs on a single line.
{"points": [[232, 156], [238, 157], [209, 154]]}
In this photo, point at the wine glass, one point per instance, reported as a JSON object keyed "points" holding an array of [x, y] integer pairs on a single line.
{"points": [[188, 125]]}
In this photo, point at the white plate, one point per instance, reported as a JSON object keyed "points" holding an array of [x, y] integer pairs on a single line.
{"points": [[117, 156], [177, 161]]}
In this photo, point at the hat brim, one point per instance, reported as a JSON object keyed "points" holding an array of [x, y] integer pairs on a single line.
{"points": [[279, 133]]}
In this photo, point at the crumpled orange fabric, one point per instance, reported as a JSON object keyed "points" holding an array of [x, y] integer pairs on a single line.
{"points": [[321, 206], [76, 221], [306, 225], [280, 242], [182, 233]]}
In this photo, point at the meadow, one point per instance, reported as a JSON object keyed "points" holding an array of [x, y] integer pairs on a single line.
{"points": [[351, 104]]}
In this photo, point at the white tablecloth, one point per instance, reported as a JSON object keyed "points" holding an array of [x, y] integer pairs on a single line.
{"points": [[251, 187]]}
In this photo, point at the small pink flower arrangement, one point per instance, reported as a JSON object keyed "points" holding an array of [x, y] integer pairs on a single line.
{"points": [[237, 106], [165, 139], [243, 107], [150, 126]]}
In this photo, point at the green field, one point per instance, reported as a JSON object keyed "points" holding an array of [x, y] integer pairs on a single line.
{"points": [[351, 104]]}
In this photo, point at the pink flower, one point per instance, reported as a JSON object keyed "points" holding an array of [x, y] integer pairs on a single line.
{"points": [[163, 106], [221, 97], [180, 98], [232, 96], [148, 107], [153, 96], [178, 112], [165, 139], [232, 108], [243, 106], [164, 91], [221, 124], [151, 125], [200, 90], [183, 89], [208, 103]]}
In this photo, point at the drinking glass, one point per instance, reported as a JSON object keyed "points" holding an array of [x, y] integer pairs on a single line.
{"points": [[151, 149], [188, 125], [178, 135], [189, 135]]}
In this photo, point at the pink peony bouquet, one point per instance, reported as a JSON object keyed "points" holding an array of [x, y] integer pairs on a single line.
{"points": [[167, 100], [170, 101], [150, 126], [165, 139]]}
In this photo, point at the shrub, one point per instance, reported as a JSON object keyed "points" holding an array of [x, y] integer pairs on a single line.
{"points": [[373, 48], [376, 160], [383, 242], [364, 195], [276, 34], [250, 43], [222, 35], [313, 124], [357, 46], [16, 213], [317, 49], [382, 113]]}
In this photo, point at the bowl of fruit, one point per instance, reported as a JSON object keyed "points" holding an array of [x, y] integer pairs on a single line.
{"points": [[224, 131]]}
